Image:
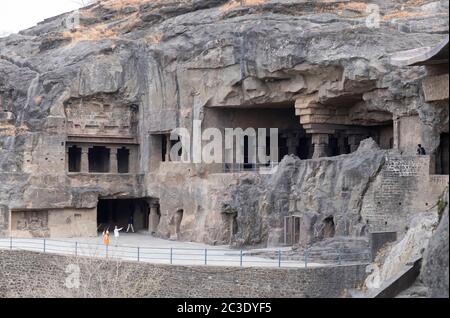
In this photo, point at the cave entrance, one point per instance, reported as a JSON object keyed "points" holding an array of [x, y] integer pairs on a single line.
{"points": [[442, 155], [74, 159], [247, 124], [112, 212], [123, 160], [328, 227], [383, 135], [292, 229], [99, 157]]}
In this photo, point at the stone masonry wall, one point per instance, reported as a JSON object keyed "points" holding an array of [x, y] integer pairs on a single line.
{"points": [[29, 274], [403, 188]]}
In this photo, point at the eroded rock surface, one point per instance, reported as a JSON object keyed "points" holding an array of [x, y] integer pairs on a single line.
{"points": [[434, 272], [170, 63]]}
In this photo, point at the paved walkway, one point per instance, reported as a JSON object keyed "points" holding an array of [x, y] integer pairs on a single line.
{"points": [[145, 248]]}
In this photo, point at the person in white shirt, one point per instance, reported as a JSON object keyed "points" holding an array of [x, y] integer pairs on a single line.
{"points": [[116, 232]]}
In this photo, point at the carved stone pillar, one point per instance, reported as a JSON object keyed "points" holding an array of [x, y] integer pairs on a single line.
{"points": [[133, 163], [153, 219], [113, 160], [67, 160], [396, 133], [320, 142], [85, 159], [168, 147]]}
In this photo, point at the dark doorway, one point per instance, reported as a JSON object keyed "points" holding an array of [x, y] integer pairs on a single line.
{"points": [[347, 148], [112, 212], [304, 148], [383, 135], [99, 159], [328, 227], [178, 219], [442, 155], [164, 148], [333, 148], [74, 159], [123, 160], [283, 149]]}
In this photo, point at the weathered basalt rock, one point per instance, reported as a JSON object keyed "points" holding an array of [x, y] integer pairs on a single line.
{"points": [[316, 190], [434, 272], [171, 61]]}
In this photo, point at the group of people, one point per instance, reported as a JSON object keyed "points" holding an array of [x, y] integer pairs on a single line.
{"points": [[116, 231]]}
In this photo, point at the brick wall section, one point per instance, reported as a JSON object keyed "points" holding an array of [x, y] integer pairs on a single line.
{"points": [[30, 274], [402, 189]]}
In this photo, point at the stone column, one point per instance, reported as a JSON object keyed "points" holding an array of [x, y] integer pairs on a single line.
{"points": [[320, 142], [153, 218], [67, 160], [85, 159], [168, 146], [113, 160], [396, 133], [133, 162]]}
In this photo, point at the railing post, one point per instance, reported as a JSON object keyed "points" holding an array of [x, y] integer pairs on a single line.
{"points": [[76, 248], [171, 255], [138, 254], [44, 245], [279, 258], [306, 258], [10, 242], [206, 256], [241, 258]]}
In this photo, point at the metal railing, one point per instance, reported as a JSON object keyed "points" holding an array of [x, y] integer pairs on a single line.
{"points": [[175, 255]]}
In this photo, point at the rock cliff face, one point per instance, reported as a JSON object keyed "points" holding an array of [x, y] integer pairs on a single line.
{"points": [[434, 272], [169, 62], [325, 193]]}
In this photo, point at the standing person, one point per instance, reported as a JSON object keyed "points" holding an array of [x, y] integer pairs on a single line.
{"points": [[116, 232], [130, 223], [106, 237], [421, 150]]}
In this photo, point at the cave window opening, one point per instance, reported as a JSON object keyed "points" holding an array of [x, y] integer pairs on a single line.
{"points": [[123, 160], [74, 159], [167, 145], [99, 157], [333, 147]]}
